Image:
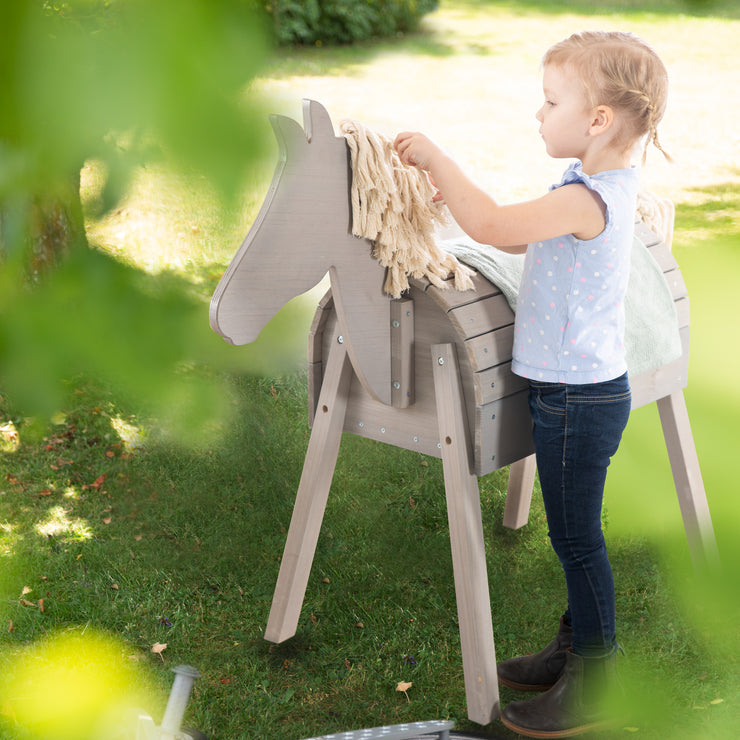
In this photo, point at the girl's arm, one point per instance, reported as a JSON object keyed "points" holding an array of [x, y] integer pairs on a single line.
{"points": [[570, 209]]}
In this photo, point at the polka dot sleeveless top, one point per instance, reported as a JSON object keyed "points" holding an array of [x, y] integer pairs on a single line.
{"points": [[570, 312]]}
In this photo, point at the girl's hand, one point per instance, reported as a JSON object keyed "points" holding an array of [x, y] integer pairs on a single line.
{"points": [[415, 149]]}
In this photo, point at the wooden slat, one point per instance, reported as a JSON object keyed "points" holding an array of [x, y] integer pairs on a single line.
{"points": [[449, 299], [676, 284], [683, 312], [491, 348], [474, 319], [402, 353], [646, 235], [496, 382], [663, 256], [503, 432]]}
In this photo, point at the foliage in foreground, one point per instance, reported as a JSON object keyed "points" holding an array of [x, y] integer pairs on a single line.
{"points": [[127, 85]]}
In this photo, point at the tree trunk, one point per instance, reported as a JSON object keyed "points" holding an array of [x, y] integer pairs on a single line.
{"points": [[56, 225]]}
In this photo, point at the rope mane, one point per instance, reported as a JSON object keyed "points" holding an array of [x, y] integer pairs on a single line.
{"points": [[392, 206]]}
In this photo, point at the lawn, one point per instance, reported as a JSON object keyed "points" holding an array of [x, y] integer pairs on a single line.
{"points": [[109, 526]]}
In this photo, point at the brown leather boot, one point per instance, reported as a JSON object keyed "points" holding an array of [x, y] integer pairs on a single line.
{"points": [[572, 706], [540, 671]]}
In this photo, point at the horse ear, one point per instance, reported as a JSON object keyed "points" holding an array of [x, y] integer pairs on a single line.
{"points": [[288, 133], [316, 121]]}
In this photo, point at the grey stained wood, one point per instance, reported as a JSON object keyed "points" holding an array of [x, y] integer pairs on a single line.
{"points": [[466, 538], [374, 370]]}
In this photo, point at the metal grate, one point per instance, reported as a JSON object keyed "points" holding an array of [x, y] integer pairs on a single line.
{"points": [[407, 731]]}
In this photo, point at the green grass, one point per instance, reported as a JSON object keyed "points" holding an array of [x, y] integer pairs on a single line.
{"points": [[181, 545]]}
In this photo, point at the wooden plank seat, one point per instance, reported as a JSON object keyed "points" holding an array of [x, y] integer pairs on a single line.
{"points": [[429, 372]]}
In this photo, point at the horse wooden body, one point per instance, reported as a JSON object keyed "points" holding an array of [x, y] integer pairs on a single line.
{"points": [[427, 372]]}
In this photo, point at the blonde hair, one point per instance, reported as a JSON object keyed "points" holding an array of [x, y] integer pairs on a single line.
{"points": [[622, 71]]}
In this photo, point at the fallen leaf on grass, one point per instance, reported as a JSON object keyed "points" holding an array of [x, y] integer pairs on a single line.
{"points": [[404, 686], [158, 648], [716, 701], [41, 605], [96, 483], [26, 602], [10, 625], [26, 590], [107, 519]]}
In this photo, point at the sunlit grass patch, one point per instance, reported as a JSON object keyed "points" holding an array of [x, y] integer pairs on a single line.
{"points": [[9, 440], [59, 524]]}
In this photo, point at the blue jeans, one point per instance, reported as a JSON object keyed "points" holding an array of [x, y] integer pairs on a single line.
{"points": [[577, 429]]}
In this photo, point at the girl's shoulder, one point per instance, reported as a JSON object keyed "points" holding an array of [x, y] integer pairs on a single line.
{"points": [[626, 179]]}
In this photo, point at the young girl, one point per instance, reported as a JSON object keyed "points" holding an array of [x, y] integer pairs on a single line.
{"points": [[604, 93]]}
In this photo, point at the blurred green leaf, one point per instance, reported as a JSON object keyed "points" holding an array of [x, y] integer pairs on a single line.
{"points": [[128, 82]]}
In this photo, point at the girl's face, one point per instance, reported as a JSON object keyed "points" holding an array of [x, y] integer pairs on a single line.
{"points": [[565, 117]]}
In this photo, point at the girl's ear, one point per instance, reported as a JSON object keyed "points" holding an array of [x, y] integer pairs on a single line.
{"points": [[602, 119]]}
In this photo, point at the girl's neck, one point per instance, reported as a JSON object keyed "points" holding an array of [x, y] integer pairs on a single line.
{"points": [[608, 158]]}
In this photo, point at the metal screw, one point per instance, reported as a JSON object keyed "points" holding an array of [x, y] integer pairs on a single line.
{"points": [[396, 384], [340, 339], [396, 324], [441, 360]]}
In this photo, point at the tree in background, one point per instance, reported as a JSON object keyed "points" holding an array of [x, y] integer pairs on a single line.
{"points": [[321, 22], [127, 82]]}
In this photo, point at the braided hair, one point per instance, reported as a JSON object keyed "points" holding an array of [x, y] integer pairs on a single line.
{"points": [[622, 71]]}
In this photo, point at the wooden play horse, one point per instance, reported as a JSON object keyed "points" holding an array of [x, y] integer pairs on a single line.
{"points": [[428, 372]]}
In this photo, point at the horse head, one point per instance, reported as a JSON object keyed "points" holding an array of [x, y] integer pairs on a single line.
{"points": [[302, 231]]}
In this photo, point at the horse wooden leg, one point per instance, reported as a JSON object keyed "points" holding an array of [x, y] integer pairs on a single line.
{"points": [[310, 503], [466, 539], [687, 476], [519, 492]]}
